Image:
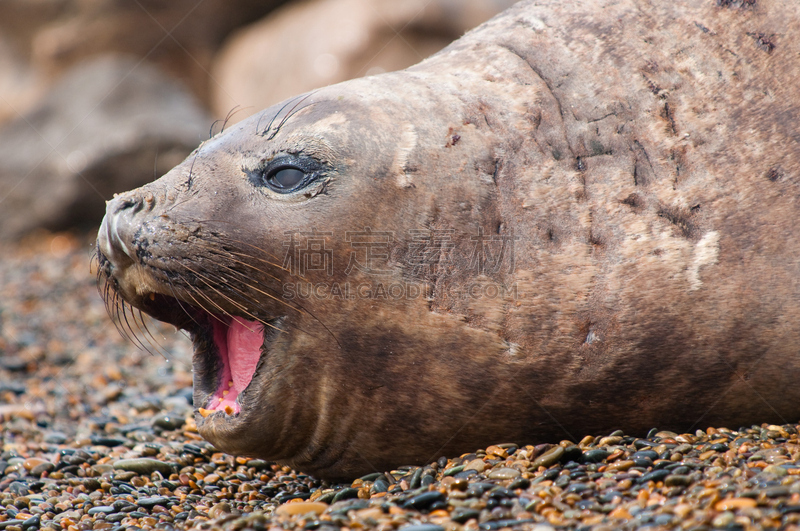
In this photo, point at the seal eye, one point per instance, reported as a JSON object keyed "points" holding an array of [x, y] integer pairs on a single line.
{"points": [[285, 179]]}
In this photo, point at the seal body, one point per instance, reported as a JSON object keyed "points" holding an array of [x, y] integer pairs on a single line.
{"points": [[574, 219]]}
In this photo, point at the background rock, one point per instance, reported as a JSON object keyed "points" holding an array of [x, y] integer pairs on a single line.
{"points": [[72, 134], [109, 125], [181, 36], [307, 45]]}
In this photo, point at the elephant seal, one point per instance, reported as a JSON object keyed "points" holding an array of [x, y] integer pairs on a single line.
{"points": [[576, 218]]}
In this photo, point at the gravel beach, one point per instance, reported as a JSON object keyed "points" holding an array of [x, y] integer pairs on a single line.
{"points": [[98, 434]]}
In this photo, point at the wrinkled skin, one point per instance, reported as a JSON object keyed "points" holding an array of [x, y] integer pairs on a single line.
{"points": [[641, 162]]}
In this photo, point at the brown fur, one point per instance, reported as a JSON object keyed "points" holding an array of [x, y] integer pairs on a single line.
{"points": [[643, 157]]}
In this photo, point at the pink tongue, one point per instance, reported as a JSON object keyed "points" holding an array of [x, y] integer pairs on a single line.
{"points": [[244, 350], [239, 345]]}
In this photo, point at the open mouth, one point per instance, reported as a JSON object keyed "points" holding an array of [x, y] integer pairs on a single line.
{"points": [[227, 351], [238, 343]]}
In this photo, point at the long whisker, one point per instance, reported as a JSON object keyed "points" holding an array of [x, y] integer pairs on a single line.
{"points": [[290, 114], [134, 337], [151, 340], [251, 286], [210, 284], [244, 280], [269, 125], [231, 114], [197, 303], [299, 309], [230, 256]]}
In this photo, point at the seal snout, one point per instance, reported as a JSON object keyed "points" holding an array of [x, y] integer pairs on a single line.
{"points": [[119, 228]]}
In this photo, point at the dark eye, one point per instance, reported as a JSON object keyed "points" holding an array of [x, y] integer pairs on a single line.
{"points": [[285, 179]]}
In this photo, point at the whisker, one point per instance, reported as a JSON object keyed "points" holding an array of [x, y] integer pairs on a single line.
{"points": [[229, 254], [251, 286], [290, 114], [254, 288], [190, 178], [232, 113], [151, 340], [269, 125], [178, 300], [134, 338], [210, 284]]}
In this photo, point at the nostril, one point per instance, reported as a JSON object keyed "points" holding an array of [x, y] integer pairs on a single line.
{"points": [[132, 203], [120, 224]]}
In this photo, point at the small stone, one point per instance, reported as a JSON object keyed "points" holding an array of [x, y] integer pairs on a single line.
{"points": [[620, 466], [549, 458], [144, 466], [55, 437], [424, 500], [620, 512], [40, 469], [775, 470], [32, 462], [111, 442], [453, 470], [152, 501], [462, 514], [219, 510], [519, 483], [677, 480], [345, 494], [654, 476], [501, 453], [596, 455], [169, 422], [731, 504], [776, 492], [300, 508], [422, 527], [611, 440], [380, 485], [101, 509], [476, 464], [723, 519], [504, 473], [461, 484]]}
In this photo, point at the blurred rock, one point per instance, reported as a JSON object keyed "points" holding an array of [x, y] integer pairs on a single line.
{"points": [[21, 85], [107, 126], [180, 36], [306, 45]]}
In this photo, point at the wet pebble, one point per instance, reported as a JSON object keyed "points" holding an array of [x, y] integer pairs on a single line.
{"points": [[144, 466], [504, 473]]}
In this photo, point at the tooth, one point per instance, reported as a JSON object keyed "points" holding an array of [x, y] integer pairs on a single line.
{"points": [[230, 383], [205, 412], [152, 296], [225, 392], [228, 410]]}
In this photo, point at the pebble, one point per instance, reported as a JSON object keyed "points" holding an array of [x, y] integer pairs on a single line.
{"points": [[548, 458], [504, 473], [300, 508], [477, 465], [732, 504], [144, 466], [422, 527]]}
